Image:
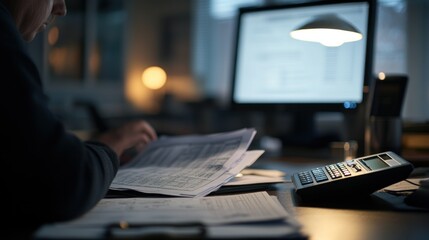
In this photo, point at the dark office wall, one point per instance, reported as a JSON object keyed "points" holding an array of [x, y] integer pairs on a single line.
{"points": [[417, 96]]}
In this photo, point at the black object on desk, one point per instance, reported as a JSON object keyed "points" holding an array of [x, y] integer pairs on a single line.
{"points": [[384, 130], [124, 231], [420, 197], [351, 179]]}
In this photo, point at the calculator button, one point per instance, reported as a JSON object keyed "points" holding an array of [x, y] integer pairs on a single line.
{"points": [[333, 171], [305, 177], [343, 169], [319, 174], [357, 168], [351, 163]]}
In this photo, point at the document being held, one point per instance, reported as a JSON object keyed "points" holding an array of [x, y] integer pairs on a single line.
{"points": [[188, 166]]}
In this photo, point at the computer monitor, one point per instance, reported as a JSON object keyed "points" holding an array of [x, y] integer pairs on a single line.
{"points": [[273, 71]]}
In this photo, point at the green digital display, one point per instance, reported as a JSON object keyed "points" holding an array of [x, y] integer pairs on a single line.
{"points": [[374, 163]]}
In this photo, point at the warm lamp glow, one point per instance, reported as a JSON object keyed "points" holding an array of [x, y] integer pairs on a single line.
{"points": [[53, 35], [381, 76], [154, 77], [329, 30]]}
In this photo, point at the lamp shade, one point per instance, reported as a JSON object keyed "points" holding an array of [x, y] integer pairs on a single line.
{"points": [[329, 30]]}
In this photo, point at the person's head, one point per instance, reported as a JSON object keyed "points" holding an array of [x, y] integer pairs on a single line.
{"points": [[32, 16]]}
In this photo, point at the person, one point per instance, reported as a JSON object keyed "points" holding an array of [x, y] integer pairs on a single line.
{"points": [[48, 174]]}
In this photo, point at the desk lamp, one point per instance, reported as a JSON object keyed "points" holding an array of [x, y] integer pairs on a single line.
{"points": [[328, 29]]}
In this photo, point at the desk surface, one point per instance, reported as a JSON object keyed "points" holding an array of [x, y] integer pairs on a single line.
{"points": [[356, 224], [351, 221], [368, 220]]}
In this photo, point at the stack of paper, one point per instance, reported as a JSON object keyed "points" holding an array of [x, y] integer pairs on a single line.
{"points": [[253, 215], [252, 180], [188, 166]]}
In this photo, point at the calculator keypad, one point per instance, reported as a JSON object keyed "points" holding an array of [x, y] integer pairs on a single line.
{"points": [[334, 171], [305, 177], [319, 174], [337, 170]]}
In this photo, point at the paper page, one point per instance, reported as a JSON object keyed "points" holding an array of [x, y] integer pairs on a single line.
{"points": [[263, 172], [253, 179], [240, 208], [409, 184], [248, 159], [253, 215], [192, 165]]}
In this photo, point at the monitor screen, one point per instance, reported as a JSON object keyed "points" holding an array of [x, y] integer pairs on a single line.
{"points": [[272, 68]]}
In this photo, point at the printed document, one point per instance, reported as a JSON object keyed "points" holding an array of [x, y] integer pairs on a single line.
{"points": [[225, 209], [188, 166], [223, 216]]}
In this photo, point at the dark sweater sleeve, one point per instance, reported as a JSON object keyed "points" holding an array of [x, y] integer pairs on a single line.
{"points": [[48, 174]]}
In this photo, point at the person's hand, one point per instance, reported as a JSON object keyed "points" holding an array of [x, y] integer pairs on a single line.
{"points": [[133, 135]]}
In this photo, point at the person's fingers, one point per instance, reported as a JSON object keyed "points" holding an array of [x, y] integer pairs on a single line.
{"points": [[128, 155], [140, 147], [149, 130], [146, 139], [131, 135], [142, 132], [137, 147]]}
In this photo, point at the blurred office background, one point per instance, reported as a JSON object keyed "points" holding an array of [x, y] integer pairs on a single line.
{"points": [[92, 62]]}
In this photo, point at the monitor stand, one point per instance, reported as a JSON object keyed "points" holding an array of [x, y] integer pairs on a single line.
{"points": [[303, 132]]}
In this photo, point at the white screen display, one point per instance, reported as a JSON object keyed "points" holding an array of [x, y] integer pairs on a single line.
{"points": [[272, 67]]}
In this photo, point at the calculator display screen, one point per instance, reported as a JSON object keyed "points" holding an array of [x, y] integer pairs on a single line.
{"points": [[374, 163]]}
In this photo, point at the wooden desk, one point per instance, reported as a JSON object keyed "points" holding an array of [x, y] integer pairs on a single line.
{"points": [[368, 220]]}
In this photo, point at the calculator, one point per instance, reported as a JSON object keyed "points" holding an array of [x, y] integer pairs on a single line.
{"points": [[351, 178]]}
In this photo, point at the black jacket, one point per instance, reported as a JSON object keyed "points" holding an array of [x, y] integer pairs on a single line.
{"points": [[47, 174]]}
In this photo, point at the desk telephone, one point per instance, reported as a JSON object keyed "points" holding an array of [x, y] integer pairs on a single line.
{"points": [[352, 178]]}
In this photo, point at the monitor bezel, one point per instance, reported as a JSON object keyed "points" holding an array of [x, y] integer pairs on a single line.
{"points": [[297, 107]]}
